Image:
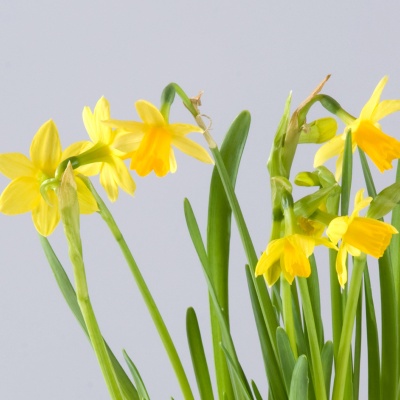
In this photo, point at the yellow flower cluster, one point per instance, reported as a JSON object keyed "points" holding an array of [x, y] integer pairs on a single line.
{"points": [[148, 143], [288, 255]]}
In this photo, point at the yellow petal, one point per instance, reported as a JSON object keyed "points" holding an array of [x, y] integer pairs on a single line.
{"points": [[368, 109], [45, 149], [341, 268], [127, 126], [127, 142], [385, 108], [369, 235], [337, 228], [75, 149], [90, 124], [271, 255], [273, 273], [102, 113], [14, 165], [184, 129], [294, 258], [330, 149], [20, 196], [149, 113], [108, 182], [381, 148], [192, 149], [172, 162], [122, 176], [46, 217], [360, 202], [87, 203]]}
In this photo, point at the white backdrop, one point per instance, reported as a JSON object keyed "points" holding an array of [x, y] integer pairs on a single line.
{"points": [[57, 57]]}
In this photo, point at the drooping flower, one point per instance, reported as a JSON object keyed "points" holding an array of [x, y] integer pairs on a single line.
{"points": [[23, 192], [358, 235], [149, 143], [100, 156], [367, 134], [289, 256]]}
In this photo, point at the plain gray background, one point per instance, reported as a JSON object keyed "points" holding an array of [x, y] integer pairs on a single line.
{"points": [[57, 57]]}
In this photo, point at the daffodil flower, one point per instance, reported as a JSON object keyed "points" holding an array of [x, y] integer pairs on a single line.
{"points": [[149, 143], [23, 192], [367, 134], [100, 156], [358, 235], [289, 256]]}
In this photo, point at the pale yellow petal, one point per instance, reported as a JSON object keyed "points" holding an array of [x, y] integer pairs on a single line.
{"points": [[20, 196], [87, 203], [341, 268], [183, 129], [333, 148], [369, 108], [127, 142], [108, 182], [149, 113], [127, 126], [122, 176], [14, 165], [75, 149], [45, 149], [172, 162], [385, 108], [46, 217], [90, 124], [192, 149], [360, 202], [337, 228]]}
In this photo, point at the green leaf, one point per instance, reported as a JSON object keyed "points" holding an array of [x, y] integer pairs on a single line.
{"points": [[286, 356], [385, 201], [69, 295], [327, 363], [198, 356], [347, 175], [313, 289], [299, 384], [256, 392], [236, 376], [218, 237], [143, 395], [220, 313], [374, 361], [357, 349]]}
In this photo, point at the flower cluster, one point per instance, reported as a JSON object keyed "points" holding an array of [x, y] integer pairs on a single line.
{"points": [[148, 143], [289, 255]]}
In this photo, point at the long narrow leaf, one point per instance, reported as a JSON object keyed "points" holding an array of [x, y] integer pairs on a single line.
{"points": [[374, 362], [218, 237], [286, 356], [198, 356], [225, 334], [142, 391], [299, 385], [69, 295], [327, 363], [357, 349]]}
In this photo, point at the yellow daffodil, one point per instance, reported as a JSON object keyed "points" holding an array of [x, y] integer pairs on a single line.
{"points": [[100, 156], [358, 235], [149, 143], [367, 134], [23, 192], [289, 256]]}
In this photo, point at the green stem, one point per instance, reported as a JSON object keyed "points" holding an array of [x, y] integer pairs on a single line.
{"points": [[316, 363], [347, 330], [69, 210], [145, 292], [288, 314]]}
